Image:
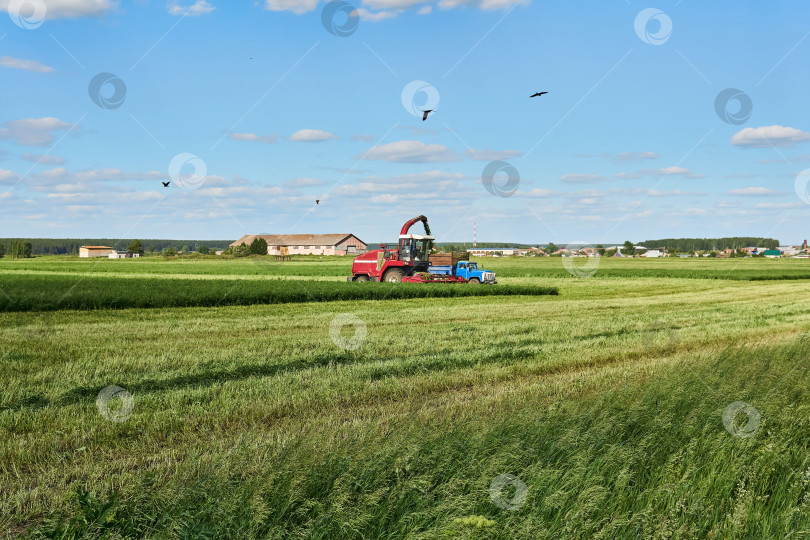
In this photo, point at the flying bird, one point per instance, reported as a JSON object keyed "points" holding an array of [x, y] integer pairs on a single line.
{"points": [[537, 94], [165, 184], [317, 201], [425, 113]]}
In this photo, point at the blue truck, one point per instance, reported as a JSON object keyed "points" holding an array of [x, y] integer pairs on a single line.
{"points": [[467, 270]]}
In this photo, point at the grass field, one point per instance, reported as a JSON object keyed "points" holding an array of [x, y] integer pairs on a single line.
{"points": [[606, 411]]}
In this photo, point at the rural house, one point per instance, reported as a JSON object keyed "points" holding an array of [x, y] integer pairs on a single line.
{"points": [[95, 251], [307, 244], [124, 255]]}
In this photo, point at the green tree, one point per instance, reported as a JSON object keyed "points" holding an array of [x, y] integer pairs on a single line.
{"points": [[135, 246], [2, 250], [258, 246], [628, 248], [242, 250], [185, 250], [169, 252], [203, 250], [20, 249], [600, 249], [551, 248]]}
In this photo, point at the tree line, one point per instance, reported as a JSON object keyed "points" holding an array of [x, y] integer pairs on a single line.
{"points": [[710, 244], [70, 246], [17, 249], [257, 247]]}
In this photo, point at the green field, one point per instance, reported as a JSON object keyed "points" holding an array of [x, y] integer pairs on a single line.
{"points": [[266, 419]]}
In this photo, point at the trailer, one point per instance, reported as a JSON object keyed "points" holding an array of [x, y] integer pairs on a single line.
{"points": [[466, 270]]}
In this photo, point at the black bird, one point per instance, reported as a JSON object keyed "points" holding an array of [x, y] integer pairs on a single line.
{"points": [[425, 113], [538, 94], [165, 184], [317, 201]]}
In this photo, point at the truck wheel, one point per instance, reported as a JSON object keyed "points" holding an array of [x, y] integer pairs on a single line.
{"points": [[394, 275], [475, 281], [361, 278]]}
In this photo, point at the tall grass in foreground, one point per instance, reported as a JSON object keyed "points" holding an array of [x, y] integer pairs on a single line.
{"points": [[641, 454], [49, 292]]}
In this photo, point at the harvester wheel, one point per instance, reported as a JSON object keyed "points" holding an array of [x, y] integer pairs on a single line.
{"points": [[475, 281], [361, 278], [394, 275]]}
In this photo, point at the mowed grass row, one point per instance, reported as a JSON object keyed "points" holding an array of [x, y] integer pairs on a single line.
{"points": [[506, 267], [47, 292], [253, 422], [608, 454]]}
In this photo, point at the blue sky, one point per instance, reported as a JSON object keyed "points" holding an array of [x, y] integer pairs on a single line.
{"points": [[279, 112]]}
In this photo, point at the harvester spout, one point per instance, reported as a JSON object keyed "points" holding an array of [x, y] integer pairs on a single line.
{"points": [[411, 222]]}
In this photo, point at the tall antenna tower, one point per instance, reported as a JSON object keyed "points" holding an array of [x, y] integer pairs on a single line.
{"points": [[474, 238]]}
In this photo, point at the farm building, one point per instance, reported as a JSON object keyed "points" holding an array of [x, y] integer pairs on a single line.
{"points": [[123, 255], [772, 253], [307, 244], [489, 252], [95, 251]]}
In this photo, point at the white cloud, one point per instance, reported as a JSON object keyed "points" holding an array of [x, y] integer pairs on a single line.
{"points": [[82, 207], [582, 178], [302, 182], [105, 198], [240, 190], [200, 7], [7, 177], [33, 131], [403, 182], [392, 4], [5, 195], [537, 192], [673, 193], [60, 179], [391, 8], [486, 5], [59, 9], [312, 135], [43, 160], [271, 138], [364, 138], [753, 191], [366, 15], [411, 152], [27, 65], [623, 157], [491, 155], [296, 6], [658, 173], [767, 136], [778, 205]]}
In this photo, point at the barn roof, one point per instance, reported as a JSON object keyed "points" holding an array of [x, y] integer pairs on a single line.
{"points": [[296, 239]]}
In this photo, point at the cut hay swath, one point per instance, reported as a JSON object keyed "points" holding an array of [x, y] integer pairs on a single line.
{"points": [[47, 293]]}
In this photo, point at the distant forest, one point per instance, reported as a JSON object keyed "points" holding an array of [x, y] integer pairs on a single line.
{"points": [[710, 244], [70, 246]]}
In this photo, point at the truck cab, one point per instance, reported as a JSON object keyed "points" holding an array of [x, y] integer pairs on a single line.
{"points": [[470, 271]]}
